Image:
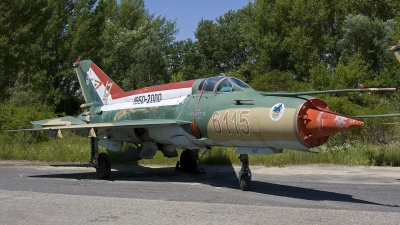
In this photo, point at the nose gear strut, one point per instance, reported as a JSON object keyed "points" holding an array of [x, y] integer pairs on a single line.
{"points": [[244, 173]]}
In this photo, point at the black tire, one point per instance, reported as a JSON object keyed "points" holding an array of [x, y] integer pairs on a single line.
{"points": [[245, 181], [188, 161], [104, 166]]}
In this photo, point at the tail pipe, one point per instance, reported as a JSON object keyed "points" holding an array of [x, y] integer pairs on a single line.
{"points": [[316, 123]]}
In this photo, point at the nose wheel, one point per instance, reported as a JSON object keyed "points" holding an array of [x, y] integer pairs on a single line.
{"points": [[244, 173]]}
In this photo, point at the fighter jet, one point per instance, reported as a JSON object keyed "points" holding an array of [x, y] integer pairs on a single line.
{"points": [[196, 115]]}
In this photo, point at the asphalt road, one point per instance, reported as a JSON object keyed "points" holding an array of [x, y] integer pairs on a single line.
{"points": [[317, 194]]}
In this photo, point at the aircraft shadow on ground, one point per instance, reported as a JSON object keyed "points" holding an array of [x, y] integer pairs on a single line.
{"points": [[217, 176], [71, 165], [307, 193]]}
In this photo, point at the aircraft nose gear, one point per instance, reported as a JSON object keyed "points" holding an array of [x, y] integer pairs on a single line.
{"points": [[245, 173], [189, 162]]}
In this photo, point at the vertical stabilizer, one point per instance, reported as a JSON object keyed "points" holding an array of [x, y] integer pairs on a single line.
{"points": [[396, 50], [97, 88]]}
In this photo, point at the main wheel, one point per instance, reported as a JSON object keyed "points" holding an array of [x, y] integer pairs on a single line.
{"points": [[103, 169], [188, 161], [245, 181]]}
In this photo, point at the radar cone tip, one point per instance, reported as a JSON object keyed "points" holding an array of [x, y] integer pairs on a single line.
{"points": [[316, 123], [325, 123]]}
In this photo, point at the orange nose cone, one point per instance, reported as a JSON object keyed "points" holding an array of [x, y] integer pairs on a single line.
{"points": [[316, 123], [326, 123]]}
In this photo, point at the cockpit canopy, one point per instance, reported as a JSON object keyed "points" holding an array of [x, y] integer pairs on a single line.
{"points": [[222, 84]]}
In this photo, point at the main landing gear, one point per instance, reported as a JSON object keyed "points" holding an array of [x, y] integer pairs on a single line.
{"points": [[244, 173], [101, 162], [189, 162]]}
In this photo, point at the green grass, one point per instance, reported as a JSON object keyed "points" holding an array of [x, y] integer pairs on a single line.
{"points": [[69, 149], [72, 148]]}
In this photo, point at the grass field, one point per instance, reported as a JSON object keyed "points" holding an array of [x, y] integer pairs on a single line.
{"points": [[71, 148]]}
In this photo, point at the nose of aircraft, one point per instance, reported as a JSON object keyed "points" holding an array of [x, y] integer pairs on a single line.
{"points": [[322, 123], [316, 123]]}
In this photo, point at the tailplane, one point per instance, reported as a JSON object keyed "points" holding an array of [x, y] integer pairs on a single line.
{"points": [[97, 88], [396, 50]]}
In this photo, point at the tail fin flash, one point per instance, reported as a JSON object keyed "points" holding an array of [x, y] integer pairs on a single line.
{"points": [[396, 50], [97, 88]]}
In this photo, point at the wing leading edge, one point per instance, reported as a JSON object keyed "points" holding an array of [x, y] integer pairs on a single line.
{"points": [[54, 126]]}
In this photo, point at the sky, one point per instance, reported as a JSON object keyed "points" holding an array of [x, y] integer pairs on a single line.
{"points": [[188, 13]]}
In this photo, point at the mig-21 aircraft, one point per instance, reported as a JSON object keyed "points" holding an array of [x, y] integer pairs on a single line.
{"points": [[194, 115]]}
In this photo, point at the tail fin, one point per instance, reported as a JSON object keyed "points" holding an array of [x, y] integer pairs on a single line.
{"points": [[97, 88], [396, 50]]}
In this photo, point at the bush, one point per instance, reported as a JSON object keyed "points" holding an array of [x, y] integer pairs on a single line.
{"points": [[14, 118]]}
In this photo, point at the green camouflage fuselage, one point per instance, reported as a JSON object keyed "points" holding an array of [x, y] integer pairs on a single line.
{"points": [[238, 118]]}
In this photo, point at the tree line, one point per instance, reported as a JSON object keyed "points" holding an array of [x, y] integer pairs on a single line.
{"points": [[274, 45]]}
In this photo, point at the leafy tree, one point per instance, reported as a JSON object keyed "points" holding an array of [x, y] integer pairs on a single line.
{"points": [[85, 26], [185, 61], [321, 77], [383, 9], [274, 81], [21, 27], [22, 92], [369, 37], [35, 31], [136, 52], [349, 74], [151, 56], [222, 44]]}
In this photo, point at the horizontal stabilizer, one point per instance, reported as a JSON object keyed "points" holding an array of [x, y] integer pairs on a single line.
{"points": [[39, 125], [60, 121]]}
